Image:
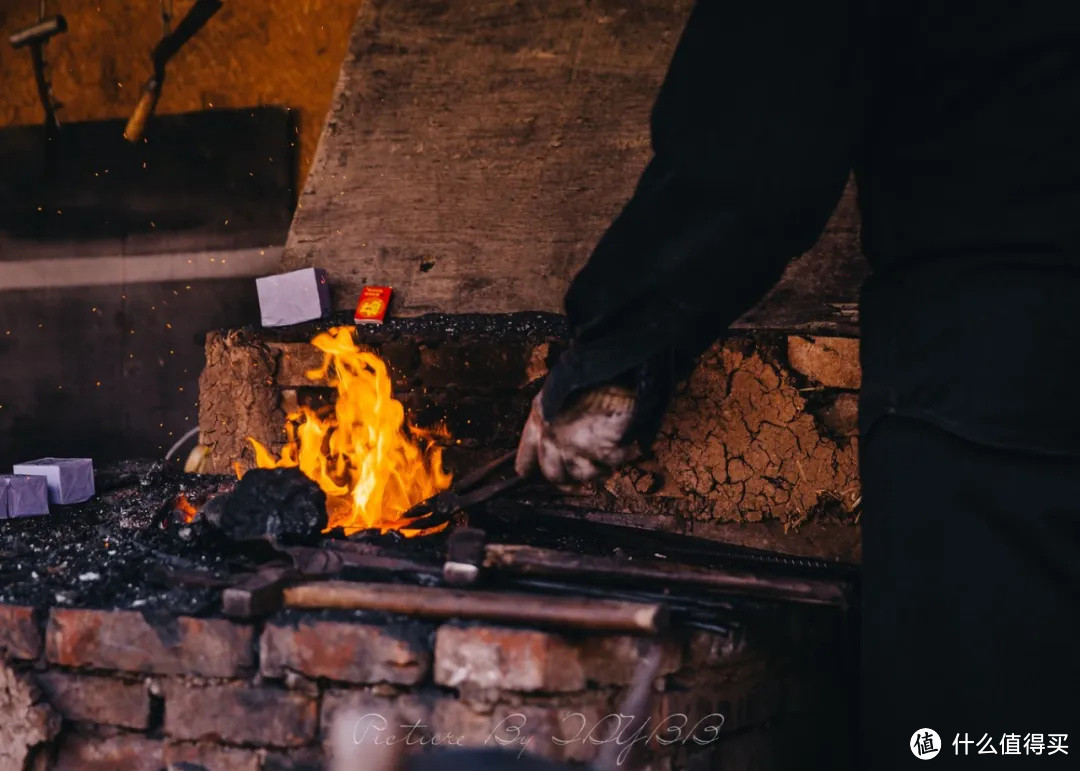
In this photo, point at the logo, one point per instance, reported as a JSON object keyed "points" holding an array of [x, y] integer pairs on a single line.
{"points": [[925, 744], [369, 308]]}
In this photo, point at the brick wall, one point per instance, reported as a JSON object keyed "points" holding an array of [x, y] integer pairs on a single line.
{"points": [[105, 689]]}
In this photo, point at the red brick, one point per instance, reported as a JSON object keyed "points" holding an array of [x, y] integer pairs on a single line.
{"points": [[239, 714], [303, 759], [96, 699], [352, 653], [498, 658], [402, 357], [396, 711], [558, 733], [129, 752], [124, 640], [615, 659], [474, 365], [359, 728], [213, 757], [20, 637]]}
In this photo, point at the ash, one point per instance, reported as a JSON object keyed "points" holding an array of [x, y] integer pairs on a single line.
{"points": [[128, 548], [111, 551]]}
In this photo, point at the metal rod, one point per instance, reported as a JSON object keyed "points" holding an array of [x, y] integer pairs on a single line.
{"points": [[528, 560]]}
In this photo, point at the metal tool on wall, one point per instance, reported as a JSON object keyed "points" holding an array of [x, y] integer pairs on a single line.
{"points": [[172, 40], [470, 490], [35, 37]]}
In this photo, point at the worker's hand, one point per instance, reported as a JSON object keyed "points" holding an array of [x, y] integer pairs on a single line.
{"points": [[585, 441]]}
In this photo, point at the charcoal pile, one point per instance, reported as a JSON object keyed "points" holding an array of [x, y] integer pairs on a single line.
{"points": [[108, 551]]}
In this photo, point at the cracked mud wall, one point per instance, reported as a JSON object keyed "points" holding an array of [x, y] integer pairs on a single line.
{"points": [[749, 438], [237, 399]]}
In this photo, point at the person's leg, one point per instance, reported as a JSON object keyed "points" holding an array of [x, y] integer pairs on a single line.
{"points": [[970, 608]]}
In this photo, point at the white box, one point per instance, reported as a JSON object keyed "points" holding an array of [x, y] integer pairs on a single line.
{"points": [[70, 480], [291, 298], [23, 496]]}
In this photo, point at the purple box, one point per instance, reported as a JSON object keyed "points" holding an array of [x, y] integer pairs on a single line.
{"points": [[23, 496], [70, 480], [291, 298]]}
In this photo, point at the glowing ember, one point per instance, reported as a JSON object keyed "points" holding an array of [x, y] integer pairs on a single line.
{"points": [[369, 461], [184, 507]]}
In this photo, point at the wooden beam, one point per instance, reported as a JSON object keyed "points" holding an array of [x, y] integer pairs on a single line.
{"points": [[475, 151], [124, 270]]}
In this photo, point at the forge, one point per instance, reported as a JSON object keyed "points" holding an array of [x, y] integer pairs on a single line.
{"points": [[242, 603], [233, 623]]}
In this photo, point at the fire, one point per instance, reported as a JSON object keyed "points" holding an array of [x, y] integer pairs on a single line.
{"points": [[185, 508], [371, 463]]}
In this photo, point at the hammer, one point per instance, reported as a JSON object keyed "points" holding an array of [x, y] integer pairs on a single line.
{"points": [[35, 37], [166, 48]]}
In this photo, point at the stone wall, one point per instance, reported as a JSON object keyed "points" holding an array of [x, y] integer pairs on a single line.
{"points": [[105, 689], [759, 446]]}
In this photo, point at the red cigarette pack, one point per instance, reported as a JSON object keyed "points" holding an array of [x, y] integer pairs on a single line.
{"points": [[371, 308]]}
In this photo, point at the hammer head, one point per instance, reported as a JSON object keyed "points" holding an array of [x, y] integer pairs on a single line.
{"points": [[39, 33]]}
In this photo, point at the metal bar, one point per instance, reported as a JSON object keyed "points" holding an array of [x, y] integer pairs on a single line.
{"points": [[531, 561]]}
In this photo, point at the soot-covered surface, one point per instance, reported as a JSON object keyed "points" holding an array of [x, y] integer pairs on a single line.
{"points": [[127, 548], [437, 327], [109, 551]]}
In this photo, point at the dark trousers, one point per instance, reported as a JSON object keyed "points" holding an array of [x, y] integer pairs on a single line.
{"points": [[971, 560]]}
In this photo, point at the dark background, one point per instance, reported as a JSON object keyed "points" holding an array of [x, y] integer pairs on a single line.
{"points": [[111, 371]]}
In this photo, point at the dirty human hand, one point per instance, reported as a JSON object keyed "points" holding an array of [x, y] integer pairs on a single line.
{"points": [[583, 442]]}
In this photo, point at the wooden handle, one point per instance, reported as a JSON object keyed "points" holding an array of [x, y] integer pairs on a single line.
{"points": [[434, 602], [136, 124]]}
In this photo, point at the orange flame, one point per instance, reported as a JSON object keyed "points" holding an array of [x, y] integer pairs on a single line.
{"points": [[369, 461], [185, 508]]}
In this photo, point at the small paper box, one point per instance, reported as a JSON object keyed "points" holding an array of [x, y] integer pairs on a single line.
{"points": [[291, 298], [371, 308], [70, 480], [23, 496]]}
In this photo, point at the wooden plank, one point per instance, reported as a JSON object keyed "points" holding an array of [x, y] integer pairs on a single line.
{"points": [[476, 149], [127, 269]]}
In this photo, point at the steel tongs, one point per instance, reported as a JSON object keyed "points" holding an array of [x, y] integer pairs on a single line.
{"points": [[468, 491]]}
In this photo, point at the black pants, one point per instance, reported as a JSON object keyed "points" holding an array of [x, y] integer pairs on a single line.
{"points": [[971, 560]]}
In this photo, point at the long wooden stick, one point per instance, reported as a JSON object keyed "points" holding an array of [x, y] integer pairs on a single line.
{"points": [[531, 561], [436, 602]]}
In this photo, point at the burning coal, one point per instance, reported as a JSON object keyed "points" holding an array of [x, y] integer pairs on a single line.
{"points": [[371, 463], [185, 509]]}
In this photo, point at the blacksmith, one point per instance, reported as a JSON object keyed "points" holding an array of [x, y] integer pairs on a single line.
{"points": [[959, 122]]}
